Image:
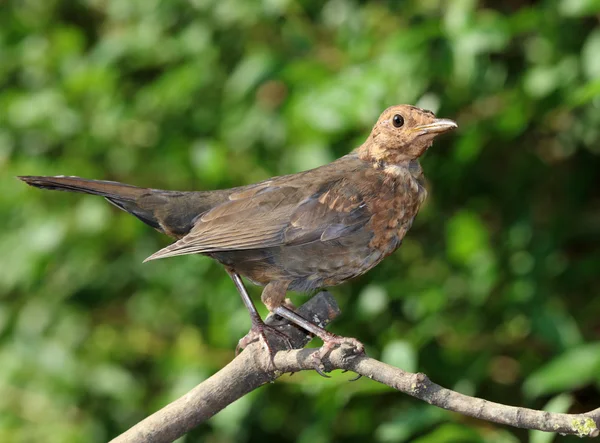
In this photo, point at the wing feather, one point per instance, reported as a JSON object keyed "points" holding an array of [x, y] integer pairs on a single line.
{"points": [[276, 213]]}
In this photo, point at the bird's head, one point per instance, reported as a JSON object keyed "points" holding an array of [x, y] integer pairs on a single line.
{"points": [[404, 132]]}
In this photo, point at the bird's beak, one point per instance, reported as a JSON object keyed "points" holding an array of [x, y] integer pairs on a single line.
{"points": [[439, 126]]}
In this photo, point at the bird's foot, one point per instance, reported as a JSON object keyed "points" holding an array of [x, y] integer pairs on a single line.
{"points": [[259, 331], [330, 342]]}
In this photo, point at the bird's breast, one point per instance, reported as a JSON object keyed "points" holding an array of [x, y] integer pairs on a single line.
{"points": [[400, 197]]}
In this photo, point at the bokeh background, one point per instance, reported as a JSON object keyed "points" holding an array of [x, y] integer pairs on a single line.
{"points": [[494, 293]]}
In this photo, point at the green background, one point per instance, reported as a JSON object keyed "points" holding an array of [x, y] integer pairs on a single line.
{"points": [[493, 293]]}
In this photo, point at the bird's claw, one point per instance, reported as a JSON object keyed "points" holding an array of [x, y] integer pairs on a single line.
{"points": [[330, 342], [358, 376], [258, 333], [317, 364]]}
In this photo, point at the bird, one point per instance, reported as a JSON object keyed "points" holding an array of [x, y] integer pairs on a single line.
{"points": [[305, 231]]}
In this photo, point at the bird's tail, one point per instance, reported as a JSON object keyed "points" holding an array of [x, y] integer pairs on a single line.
{"points": [[104, 188], [129, 198]]}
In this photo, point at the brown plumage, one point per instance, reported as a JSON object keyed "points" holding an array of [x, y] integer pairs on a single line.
{"points": [[296, 232]]}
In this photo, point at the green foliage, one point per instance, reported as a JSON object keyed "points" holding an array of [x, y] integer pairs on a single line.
{"points": [[494, 291]]}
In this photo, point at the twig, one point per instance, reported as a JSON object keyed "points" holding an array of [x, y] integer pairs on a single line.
{"points": [[250, 370], [419, 386]]}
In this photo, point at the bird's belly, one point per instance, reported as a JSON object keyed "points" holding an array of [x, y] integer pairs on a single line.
{"points": [[307, 266], [318, 266]]}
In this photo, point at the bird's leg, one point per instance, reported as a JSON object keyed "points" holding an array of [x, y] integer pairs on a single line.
{"points": [[258, 329], [274, 295]]}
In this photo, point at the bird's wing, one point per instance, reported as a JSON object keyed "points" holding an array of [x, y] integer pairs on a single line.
{"points": [[275, 214], [328, 214]]}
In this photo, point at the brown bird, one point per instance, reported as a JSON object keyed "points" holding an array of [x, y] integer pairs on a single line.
{"points": [[299, 232]]}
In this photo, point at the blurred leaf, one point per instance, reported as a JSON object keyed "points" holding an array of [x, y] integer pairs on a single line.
{"points": [[373, 300], [400, 354], [578, 8], [573, 369], [407, 423], [466, 236], [589, 52], [451, 433]]}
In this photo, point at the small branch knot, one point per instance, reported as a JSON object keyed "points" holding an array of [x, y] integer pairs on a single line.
{"points": [[419, 382]]}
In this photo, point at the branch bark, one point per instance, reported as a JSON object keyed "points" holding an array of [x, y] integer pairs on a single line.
{"points": [[251, 369]]}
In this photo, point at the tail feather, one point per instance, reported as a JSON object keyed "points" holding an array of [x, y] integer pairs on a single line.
{"points": [[126, 197], [104, 188]]}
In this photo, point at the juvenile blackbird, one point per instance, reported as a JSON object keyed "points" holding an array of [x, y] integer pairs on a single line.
{"points": [[299, 232]]}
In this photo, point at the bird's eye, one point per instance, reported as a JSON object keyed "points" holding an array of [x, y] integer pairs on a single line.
{"points": [[398, 120]]}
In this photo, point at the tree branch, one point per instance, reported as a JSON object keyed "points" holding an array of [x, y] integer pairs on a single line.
{"points": [[250, 370], [243, 374]]}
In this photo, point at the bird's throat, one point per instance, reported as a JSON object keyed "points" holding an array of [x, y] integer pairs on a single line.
{"points": [[374, 153], [390, 162]]}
